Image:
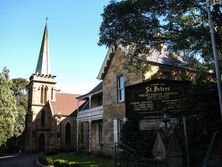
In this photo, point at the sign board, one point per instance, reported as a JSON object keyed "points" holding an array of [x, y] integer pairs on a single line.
{"points": [[149, 124], [147, 100]]}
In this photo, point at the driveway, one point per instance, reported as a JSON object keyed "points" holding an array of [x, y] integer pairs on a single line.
{"points": [[22, 160]]}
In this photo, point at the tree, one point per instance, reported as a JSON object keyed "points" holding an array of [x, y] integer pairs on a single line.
{"points": [[8, 110], [182, 26], [19, 89]]}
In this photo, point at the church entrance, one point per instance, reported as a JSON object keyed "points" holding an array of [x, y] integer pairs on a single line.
{"points": [[41, 142]]}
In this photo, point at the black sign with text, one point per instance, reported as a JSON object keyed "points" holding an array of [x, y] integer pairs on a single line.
{"points": [[148, 99]]}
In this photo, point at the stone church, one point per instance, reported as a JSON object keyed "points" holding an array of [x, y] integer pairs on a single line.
{"points": [[50, 121]]}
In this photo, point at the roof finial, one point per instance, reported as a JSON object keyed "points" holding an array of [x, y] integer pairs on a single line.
{"points": [[46, 20]]}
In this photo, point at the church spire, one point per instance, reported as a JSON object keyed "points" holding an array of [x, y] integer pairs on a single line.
{"points": [[43, 61]]}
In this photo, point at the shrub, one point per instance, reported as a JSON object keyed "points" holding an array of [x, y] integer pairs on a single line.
{"points": [[64, 163], [49, 160], [42, 159], [45, 160], [59, 163]]}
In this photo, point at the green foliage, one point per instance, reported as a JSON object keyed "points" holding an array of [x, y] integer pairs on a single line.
{"points": [[13, 108], [203, 119], [64, 163], [8, 109], [20, 89], [76, 160], [45, 160], [49, 160], [202, 97], [180, 25]]}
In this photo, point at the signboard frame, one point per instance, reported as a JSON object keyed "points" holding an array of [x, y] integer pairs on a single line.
{"points": [[146, 101]]}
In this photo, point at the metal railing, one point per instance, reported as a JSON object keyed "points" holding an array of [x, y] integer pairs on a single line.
{"points": [[90, 114], [128, 157]]}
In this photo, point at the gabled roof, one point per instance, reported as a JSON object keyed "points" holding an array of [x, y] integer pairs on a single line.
{"points": [[43, 60], [98, 88], [106, 62], [65, 104], [155, 57]]}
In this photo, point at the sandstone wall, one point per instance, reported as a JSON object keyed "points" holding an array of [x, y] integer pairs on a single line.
{"points": [[112, 108]]}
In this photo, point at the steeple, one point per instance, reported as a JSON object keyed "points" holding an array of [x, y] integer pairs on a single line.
{"points": [[43, 61]]}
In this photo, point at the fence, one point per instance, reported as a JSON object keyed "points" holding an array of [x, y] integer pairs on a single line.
{"points": [[128, 157]]}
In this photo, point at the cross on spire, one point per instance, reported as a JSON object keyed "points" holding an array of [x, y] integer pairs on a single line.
{"points": [[46, 20]]}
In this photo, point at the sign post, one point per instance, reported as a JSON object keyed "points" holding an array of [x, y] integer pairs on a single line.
{"points": [[186, 141], [217, 68]]}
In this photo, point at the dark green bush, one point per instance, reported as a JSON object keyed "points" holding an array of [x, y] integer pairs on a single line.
{"points": [[49, 160], [59, 163], [63, 163], [42, 159], [45, 160]]}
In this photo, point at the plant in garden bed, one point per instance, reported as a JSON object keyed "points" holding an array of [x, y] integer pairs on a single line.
{"points": [[45, 160], [76, 160]]}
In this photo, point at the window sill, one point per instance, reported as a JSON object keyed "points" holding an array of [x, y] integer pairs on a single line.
{"points": [[121, 101]]}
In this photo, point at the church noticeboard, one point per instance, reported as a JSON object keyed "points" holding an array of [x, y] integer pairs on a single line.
{"points": [[146, 100]]}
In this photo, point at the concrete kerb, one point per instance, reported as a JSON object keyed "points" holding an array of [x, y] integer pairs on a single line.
{"points": [[8, 156]]}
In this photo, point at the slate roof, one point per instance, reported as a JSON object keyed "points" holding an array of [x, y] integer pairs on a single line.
{"points": [[163, 58], [65, 104], [155, 57]]}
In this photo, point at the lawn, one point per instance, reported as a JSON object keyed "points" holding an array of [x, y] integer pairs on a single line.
{"points": [[83, 159]]}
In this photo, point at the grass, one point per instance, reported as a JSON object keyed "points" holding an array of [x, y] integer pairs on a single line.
{"points": [[83, 159]]}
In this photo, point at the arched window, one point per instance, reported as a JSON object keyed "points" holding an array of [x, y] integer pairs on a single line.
{"points": [[52, 94], [42, 92], [45, 94], [68, 134], [42, 118]]}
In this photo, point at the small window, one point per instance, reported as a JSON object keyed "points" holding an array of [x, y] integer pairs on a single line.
{"points": [[117, 128], [120, 126], [99, 133], [121, 93]]}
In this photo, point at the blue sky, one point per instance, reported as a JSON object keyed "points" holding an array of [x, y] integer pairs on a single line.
{"points": [[73, 28]]}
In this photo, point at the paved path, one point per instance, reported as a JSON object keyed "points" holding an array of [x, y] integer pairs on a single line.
{"points": [[23, 160]]}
